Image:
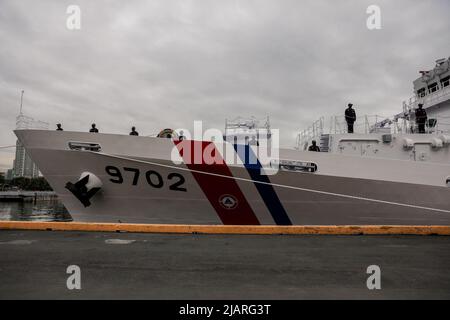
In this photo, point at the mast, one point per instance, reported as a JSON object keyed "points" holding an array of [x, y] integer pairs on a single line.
{"points": [[21, 102]]}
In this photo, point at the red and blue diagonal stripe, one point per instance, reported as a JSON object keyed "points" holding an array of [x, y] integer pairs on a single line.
{"points": [[216, 184], [265, 188]]}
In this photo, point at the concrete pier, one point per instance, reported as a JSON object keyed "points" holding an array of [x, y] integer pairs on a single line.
{"points": [[33, 265]]}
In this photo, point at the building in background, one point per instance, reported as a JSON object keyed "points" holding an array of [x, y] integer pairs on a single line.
{"points": [[9, 174], [23, 165]]}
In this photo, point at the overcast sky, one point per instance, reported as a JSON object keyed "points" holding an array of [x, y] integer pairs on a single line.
{"points": [[158, 64]]}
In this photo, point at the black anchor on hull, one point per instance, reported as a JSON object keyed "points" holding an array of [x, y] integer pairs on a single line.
{"points": [[81, 192]]}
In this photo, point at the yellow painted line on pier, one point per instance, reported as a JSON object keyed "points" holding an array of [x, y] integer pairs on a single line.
{"points": [[226, 229]]}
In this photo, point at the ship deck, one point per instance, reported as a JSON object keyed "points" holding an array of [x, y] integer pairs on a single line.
{"points": [[221, 266]]}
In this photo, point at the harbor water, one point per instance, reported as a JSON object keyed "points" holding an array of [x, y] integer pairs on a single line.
{"points": [[39, 210]]}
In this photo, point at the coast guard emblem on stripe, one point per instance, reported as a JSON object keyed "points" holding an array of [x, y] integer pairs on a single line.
{"points": [[228, 201]]}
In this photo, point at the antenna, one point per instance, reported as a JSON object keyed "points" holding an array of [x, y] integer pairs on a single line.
{"points": [[21, 101]]}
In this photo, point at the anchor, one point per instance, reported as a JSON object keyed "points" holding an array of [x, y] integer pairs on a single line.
{"points": [[85, 188]]}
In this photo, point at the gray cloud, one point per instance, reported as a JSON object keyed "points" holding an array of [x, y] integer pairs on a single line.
{"points": [[156, 64]]}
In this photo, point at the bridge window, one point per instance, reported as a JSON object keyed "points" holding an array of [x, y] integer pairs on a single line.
{"points": [[432, 87], [421, 92], [445, 81]]}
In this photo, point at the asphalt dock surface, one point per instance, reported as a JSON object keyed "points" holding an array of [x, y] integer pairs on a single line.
{"points": [[33, 265]]}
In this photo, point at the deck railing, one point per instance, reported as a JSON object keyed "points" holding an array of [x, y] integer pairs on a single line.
{"points": [[337, 125]]}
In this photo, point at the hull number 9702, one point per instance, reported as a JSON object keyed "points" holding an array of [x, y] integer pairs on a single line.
{"points": [[154, 179]]}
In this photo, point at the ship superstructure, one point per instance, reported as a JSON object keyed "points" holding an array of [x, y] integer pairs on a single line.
{"points": [[394, 137]]}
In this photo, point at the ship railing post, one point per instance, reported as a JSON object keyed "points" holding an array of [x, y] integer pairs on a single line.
{"points": [[226, 126], [335, 125], [366, 123], [339, 130], [331, 125], [338, 125], [321, 125]]}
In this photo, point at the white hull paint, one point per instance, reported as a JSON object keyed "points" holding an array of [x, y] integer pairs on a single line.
{"points": [[344, 190]]}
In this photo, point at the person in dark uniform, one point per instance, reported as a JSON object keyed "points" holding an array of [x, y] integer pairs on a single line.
{"points": [[58, 127], [133, 132], [314, 147], [350, 117], [421, 118], [93, 129]]}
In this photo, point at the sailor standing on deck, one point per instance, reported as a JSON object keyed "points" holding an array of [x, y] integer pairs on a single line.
{"points": [[58, 127], [421, 118], [133, 132], [314, 147], [350, 117], [93, 129]]}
